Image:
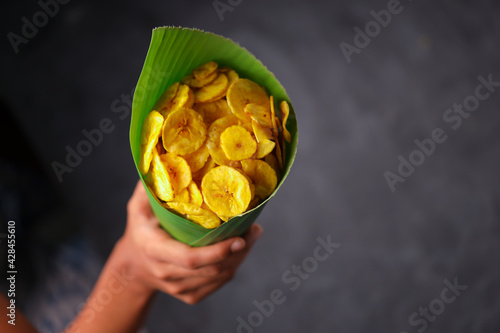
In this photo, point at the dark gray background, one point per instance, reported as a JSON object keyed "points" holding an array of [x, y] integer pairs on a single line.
{"points": [[354, 119]]}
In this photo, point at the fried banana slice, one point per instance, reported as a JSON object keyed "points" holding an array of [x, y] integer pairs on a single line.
{"points": [[213, 110], [237, 143], [183, 132], [260, 114], [213, 142], [197, 159], [262, 175], [213, 91], [243, 92], [150, 133], [196, 214], [285, 112], [264, 148], [161, 183], [226, 191], [178, 170]]}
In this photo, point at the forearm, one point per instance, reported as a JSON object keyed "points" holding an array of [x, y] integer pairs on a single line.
{"points": [[118, 302]]}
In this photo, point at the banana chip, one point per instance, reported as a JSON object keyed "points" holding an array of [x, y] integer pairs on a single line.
{"points": [[205, 70], [213, 91], [197, 159], [164, 103], [214, 134], [264, 148], [260, 114], [226, 191], [194, 82], [209, 165], [273, 162], [160, 179], [262, 175], [213, 110], [261, 133], [183, 196], [195, 196], [151, 130], [230, 73], [275, 133], [242, 92], [184, 98], [178, 170], [285, 112], [201, 216], [237, 143], [183, 132]]}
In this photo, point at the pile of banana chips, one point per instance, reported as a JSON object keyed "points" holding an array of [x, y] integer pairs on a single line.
{"points": [[213, 146]]}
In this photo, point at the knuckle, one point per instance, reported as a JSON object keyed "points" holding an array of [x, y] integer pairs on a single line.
{"points": [[215, 270], [190, 262]]}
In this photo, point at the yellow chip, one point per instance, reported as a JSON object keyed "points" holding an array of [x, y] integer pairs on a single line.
{"points": [[275, 133], [183, 196], [213, 91], [213, 110], [260, 114], [197, 159], [194, 82], [262, 175], [235, 164], [178, 170], [273, 162], [195, 196], [285, 112], [237, 143], [165, 101], [205, 70], [230, 73], [264, 148], [160, 179], [213, 142], [196, 214], [209, 165], [242, 92], [261, 133], [183, 132], [226, 191], [150, 133], [184, 98]]}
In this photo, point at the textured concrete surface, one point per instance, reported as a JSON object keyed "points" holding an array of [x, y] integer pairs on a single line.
{"points": [[399, 250]]}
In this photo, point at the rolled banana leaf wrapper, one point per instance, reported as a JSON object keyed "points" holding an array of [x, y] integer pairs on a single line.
{"points": [[172, 54]]}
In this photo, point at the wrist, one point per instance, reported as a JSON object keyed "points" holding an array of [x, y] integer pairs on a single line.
{"points": [[124, 266]]}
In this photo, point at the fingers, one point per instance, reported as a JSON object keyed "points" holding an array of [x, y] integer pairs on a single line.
{"points": [[167, 249], [194, 290]]}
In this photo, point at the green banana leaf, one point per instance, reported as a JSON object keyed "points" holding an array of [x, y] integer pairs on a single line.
{"points": [[172, 54]]}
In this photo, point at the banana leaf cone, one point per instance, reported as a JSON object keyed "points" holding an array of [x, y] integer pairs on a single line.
{"points": [[172, 54]]}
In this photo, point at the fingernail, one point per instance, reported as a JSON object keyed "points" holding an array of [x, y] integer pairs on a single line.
{"points": [[237, 245]]}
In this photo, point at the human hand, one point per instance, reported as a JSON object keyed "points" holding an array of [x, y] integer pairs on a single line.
{"points": [[160, 262]]}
